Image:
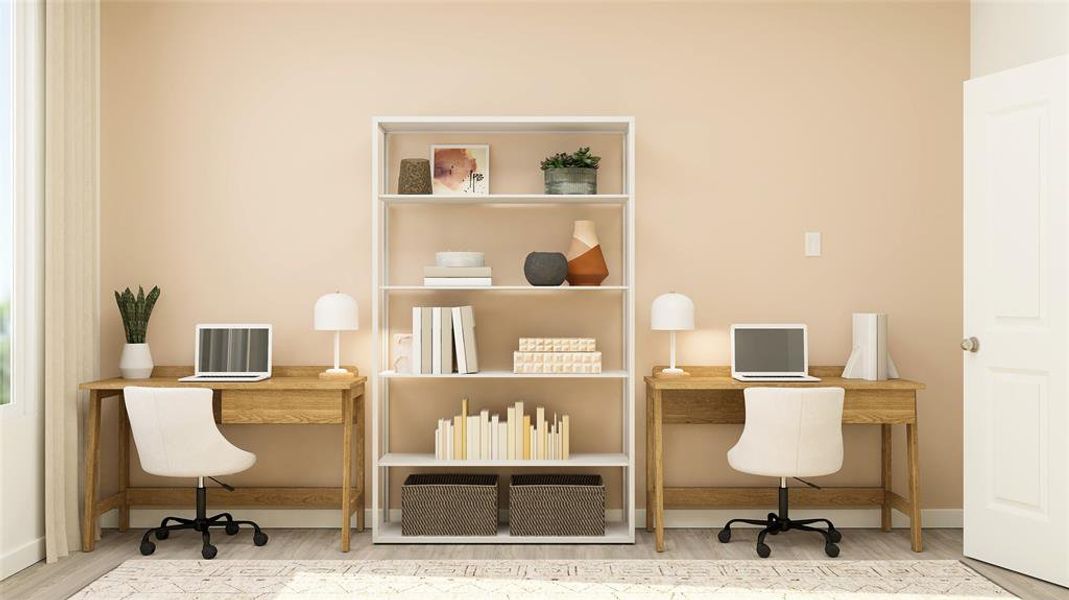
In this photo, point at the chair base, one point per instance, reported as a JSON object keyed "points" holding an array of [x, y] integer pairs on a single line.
{"points": [[777, 523], [203, 524]]}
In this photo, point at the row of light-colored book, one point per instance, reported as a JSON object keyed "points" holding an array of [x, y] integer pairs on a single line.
{"points": [[435, 276], [556, 355], [443, 340], [518, 436]]}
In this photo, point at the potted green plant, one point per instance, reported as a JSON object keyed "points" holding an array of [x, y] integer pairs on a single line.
{"points": [[575, 173], [136, 360]]}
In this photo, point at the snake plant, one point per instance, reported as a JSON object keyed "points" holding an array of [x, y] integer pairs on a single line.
{"points": [[135, 311]]}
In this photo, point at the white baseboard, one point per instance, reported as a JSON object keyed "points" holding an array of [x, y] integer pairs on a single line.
{"points": [[25, 555], [674, 518]]}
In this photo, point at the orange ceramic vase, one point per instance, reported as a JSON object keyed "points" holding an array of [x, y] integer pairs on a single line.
{"points": [[586, 263]]}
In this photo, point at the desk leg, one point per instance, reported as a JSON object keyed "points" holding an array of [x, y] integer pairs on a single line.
{"points": [[913, 458], [650, 508], [91, 472], [124, 464], [885, 476], [361, 438], [658, 457], [346, 467]]}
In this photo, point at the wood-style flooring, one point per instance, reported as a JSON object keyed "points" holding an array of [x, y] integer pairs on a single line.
{"points": [[60, 580]]}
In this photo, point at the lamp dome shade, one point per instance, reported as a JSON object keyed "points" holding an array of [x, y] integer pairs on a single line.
{"points": [[672, 312], [336, 312]]}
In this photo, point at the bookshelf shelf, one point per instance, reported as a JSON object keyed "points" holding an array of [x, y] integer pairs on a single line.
{"points": [[394, 459], [504, 375], [577, 289], [520, 199], [618, 208], [616, 532]]}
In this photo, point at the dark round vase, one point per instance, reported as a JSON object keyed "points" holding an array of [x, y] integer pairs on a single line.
{"points": [[545, 268]]}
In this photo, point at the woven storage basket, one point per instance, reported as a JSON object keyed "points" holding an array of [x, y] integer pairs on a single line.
{"points": [[562, 505], [449, 504]]}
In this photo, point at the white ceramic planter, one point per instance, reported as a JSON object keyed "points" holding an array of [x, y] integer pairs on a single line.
{"points": [[136, 361]]}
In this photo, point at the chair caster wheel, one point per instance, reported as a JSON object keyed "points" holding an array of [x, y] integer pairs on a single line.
{"points": [[724, 536], [147, 547], [835, 536], [259, 538], [162, 534], [208, 551], [232, 528], [831, 550], [763, 550]]}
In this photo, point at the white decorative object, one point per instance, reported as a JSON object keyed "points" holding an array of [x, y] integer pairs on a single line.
{"points": [[556, 362], [557, 345], [136, 361], [672, 312], [336, 312], [459, 259], [869, 358], [402, 353]]}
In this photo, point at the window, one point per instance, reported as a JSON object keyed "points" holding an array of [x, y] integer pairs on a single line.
{"points": [[7, 192]]}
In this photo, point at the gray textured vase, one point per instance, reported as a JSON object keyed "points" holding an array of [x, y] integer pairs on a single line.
{"points": [[414, 176], [571, 180], [545, 268]]}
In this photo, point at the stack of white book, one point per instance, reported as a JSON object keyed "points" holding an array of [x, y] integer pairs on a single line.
{"points": [[488, 437], [443, 340], [436, 276], [556, 355]]}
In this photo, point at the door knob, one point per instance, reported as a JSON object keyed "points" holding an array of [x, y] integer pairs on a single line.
{"points": [[970, 344]]}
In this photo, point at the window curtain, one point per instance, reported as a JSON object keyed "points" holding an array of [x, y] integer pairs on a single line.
{"points": [[71, 279]]}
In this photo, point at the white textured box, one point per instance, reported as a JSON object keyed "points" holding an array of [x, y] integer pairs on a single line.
{"points": [[557, 345], [556, 362]]}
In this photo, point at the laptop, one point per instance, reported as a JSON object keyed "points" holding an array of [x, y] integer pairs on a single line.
{"points": [[232, 353], [770, 353]]}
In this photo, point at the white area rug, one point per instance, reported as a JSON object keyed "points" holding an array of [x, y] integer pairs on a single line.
{"points": [[513, 579]]}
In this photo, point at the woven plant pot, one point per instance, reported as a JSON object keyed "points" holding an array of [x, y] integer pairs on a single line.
{"points": [[571, 180], [557, 505], [449, 504]]}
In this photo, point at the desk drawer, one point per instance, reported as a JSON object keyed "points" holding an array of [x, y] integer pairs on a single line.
{"points": [[281, 406]]}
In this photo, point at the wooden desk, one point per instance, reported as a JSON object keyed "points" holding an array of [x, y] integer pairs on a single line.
{"points": [[293, 395], [710, 395]]}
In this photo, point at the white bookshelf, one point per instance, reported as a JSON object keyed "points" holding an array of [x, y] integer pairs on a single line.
{"points": [[385, 522]]}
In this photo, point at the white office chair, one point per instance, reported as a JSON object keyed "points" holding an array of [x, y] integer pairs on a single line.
{"points": [[790, 432], [176, 436]]}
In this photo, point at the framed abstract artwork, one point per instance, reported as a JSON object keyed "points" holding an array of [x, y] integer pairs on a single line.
{"points": [[460, 169]]}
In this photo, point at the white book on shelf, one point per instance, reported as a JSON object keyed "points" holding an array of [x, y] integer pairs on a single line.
{"points": [[484, 434], [425, 340], [471, 352], [417, 338], [494, 431], [565, 432], [436, 340], [446, 341], [473, 438], [540, 417], [502, 441], [519, 433], [510, 433], [436, 271], [458, 339]]}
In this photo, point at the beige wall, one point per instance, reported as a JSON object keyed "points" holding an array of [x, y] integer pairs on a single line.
{"points": [[1010, 33], [236, 163]]}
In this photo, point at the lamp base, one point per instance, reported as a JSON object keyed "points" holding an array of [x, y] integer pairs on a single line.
{"points": [[341, 374], [672, 372]]}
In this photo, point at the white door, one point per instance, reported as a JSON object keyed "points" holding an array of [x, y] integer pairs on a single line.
{"points": [[1015, 305]]}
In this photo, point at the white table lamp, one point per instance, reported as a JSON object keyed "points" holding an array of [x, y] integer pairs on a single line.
{"points": [[336, 312], [672, 312]]}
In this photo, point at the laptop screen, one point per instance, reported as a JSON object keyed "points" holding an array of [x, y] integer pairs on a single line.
{"points": [[233, 349], [770, 350]]}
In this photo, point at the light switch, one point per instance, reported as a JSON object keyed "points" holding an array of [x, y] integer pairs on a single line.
{"points": [[812, 243]]}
